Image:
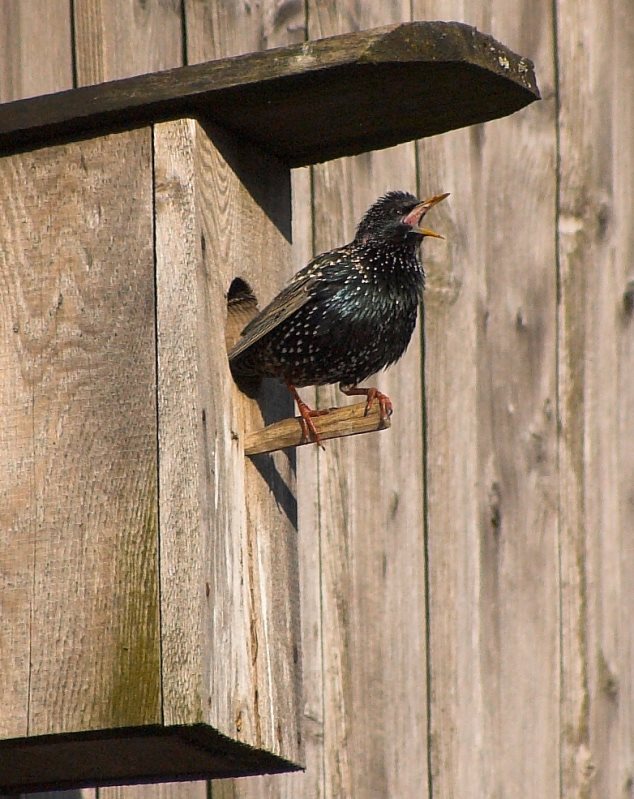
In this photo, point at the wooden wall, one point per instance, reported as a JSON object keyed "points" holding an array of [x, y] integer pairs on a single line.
{"points": [[467, 589]]}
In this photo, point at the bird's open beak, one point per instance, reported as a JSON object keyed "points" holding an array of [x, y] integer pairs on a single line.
{"points": [[416, 214]]}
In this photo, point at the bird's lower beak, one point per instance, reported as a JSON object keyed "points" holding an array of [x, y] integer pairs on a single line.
{"points": [[416, 214], [425, 231]]}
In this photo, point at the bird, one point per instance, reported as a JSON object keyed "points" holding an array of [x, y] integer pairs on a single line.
{"points": [[346, 315]]}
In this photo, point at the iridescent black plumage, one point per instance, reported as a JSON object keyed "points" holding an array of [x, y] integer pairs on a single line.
{"points": [[351, 311]]}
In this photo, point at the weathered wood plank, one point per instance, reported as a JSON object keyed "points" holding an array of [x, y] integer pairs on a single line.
{"points": [[35, 49], [35, 58], [228, 549], [115, 40], [452, 468], [596, 396], [78, 325], [119, 38], [310, 784], [370, 518], [29, 64], [166, 790], [17, 522], [221, 29], [337, 93], [225, 28], [490, 377]]}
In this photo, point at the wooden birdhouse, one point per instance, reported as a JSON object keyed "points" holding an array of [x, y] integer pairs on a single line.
{"points": [[150, 622]]}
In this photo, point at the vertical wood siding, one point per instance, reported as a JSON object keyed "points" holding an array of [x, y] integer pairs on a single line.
{"points": [[502, 534], [370, 513], [596, 396], [491, 402]]}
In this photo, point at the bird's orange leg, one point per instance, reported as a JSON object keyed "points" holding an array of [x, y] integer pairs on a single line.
{"points": [[309, 431], [373, 394]]}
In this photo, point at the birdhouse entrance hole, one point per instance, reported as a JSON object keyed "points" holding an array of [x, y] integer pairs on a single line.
{"points": [[242, 305]]}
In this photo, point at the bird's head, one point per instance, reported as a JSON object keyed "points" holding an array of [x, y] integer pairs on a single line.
{"points": [[396, 218]]}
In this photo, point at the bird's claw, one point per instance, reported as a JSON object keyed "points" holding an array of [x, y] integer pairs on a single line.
{"points": [[372, 395], [309, 431], [386, 409]]}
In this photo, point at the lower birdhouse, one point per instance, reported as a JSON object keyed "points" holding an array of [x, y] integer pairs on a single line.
{"points": [[149, 573]]}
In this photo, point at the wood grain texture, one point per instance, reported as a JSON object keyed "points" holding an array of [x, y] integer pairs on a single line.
{"points": [[115, 40], [336, 93], [17, 518], [596, 397], [370, 518], [35, 48], [490, 376], [78, 304], [24, 38], [35, 58], [118, 38], [166, 790], [225, 28], [228, 541], [311, 782]]}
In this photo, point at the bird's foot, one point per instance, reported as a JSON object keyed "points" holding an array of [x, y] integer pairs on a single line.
{"points": [[386, 409], [309, 431], [373, 395]]}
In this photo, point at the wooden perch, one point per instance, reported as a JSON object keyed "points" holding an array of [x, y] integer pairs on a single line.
{"points": [[338, 422]]}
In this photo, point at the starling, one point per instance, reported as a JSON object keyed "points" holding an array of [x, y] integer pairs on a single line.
{"points": [[346, 315]]}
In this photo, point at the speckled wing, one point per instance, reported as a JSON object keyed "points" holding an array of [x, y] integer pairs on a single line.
{"points": [[288, 301]]}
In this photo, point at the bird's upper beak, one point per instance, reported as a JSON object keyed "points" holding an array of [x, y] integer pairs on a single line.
{"points": [[418, 212]]}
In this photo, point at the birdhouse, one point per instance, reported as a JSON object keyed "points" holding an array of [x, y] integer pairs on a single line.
{"points": [[149, 594]]}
